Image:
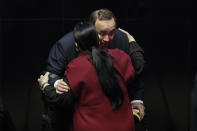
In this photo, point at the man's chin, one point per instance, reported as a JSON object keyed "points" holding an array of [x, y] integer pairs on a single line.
{"points": [[104, 45]]}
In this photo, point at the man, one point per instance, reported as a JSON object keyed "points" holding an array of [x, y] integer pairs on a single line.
{"points": [[105, 22]]}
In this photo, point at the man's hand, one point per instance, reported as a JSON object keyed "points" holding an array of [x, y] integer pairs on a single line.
{"points": [[140, 107], [128, 35], [43, 80], [62, 87]]}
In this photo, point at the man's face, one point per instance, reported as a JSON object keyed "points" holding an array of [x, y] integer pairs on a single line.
{"points": [[105, 29]]}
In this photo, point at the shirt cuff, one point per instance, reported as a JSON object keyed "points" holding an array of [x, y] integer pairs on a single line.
{"points": [[56, 82], [137, 101]]}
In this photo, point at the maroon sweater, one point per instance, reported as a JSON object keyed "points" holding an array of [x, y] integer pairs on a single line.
{"points": [[93, 111]]}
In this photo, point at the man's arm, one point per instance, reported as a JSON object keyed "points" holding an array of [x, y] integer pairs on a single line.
{"points": [[56, 63], [56, 66], [62, 52]]}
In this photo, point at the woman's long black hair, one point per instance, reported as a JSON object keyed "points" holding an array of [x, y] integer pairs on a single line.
{"points": [[86, 37]]}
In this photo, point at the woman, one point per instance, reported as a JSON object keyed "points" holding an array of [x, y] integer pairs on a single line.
{"points": [[98, 79]]}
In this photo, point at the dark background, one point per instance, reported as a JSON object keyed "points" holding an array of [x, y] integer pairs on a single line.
{"points": [[164, 29]]}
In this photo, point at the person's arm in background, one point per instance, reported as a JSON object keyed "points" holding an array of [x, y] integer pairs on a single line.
{"points": [[136, 94]]}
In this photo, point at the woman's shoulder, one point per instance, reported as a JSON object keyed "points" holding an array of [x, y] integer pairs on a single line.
{"points": [[82, 61], [117, 53], [119, 57]]}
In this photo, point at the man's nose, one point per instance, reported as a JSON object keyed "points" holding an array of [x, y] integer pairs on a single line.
{"points": [[106, 38]]}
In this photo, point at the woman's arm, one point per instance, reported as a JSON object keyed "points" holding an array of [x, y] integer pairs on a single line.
{"points": [[53, 99]]}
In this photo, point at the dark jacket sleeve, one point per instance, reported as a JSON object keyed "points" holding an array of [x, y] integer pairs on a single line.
{"points": [[137, 57], [61, 53], [55, 101], [136, 54], [57, 59], [56, 62]]}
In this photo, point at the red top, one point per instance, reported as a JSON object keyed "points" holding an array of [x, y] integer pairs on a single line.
{"points": [[93, 111]]}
